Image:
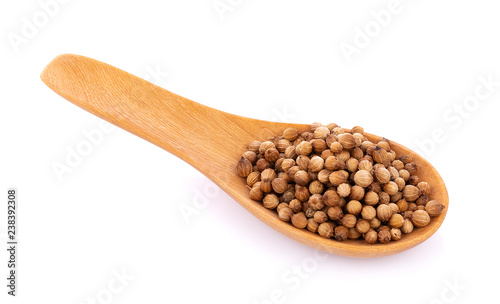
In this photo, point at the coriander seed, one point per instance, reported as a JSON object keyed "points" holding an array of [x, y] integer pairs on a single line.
{"points": [[384, 236], [424, 188], [341, 233], [395, 234], [299, 220], [301, 178], [368, 213], [320, 217], [290, 134], [434, 208], [338, 184], [363, 178], [420, 218], [404, 174], [402, 205], [347, 141], [375, 223], [282, 145], [321, 132], [316, 164], [365, 165], [270, 201], [244, 167], [363, 226], [256, 193], [285, 214], [304, 148], [279, 185], [384, 212], [316, 202], [354, 207], [344, 190], [338, 177], [336, 147], [266, 145], [407, 226], [382, 175], [371, 198], [396, 220], [411, 193], [326, 229], [316, 187], [331, 198], [302, 193], [357, 193], [312, 225], [411, 167], [295, 205], [371, 236], [391, 188], [353, 234], [334, 213]]}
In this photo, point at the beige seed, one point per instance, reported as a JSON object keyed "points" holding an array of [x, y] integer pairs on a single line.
{"points": [[363, 178]]}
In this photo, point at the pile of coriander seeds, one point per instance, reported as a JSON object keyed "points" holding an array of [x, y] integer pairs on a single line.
{"points": [[338, 184]]}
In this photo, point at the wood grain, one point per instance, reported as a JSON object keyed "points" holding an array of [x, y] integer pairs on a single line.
{"points": [[210, 140]]}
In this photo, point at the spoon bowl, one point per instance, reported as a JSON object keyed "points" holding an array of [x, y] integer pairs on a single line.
{"points": [[210, 140]]}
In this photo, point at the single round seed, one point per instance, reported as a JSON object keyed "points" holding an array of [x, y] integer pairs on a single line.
{"points": [[334, 213], [244, 167], [434, 208], [341, 233], [371, 237], [312, 225], [304, 148], [299, 220], [420, 218], [363, 178], [326, 229], [384, 236], [265, 146], [353, 207], [368, 212], [331, 198], [396, 220], [270, 201], [279, 185], [285, 214], [290, 134], [316, 202], [371, 198], [349, 220], [407, 226], [344, 190], [338, 177], [320, 217], [363, 226], [384, 212], [252, 178], [395, 234], [301, 178], [347, 141]]}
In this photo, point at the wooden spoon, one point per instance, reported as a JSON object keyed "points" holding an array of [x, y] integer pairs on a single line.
{"points": [[210, 140]]}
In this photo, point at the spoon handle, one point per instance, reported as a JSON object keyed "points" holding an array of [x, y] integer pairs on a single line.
{"points": [[174, 123]]}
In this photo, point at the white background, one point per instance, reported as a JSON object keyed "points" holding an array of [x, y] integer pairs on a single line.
{"points": [[120, 209]]}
